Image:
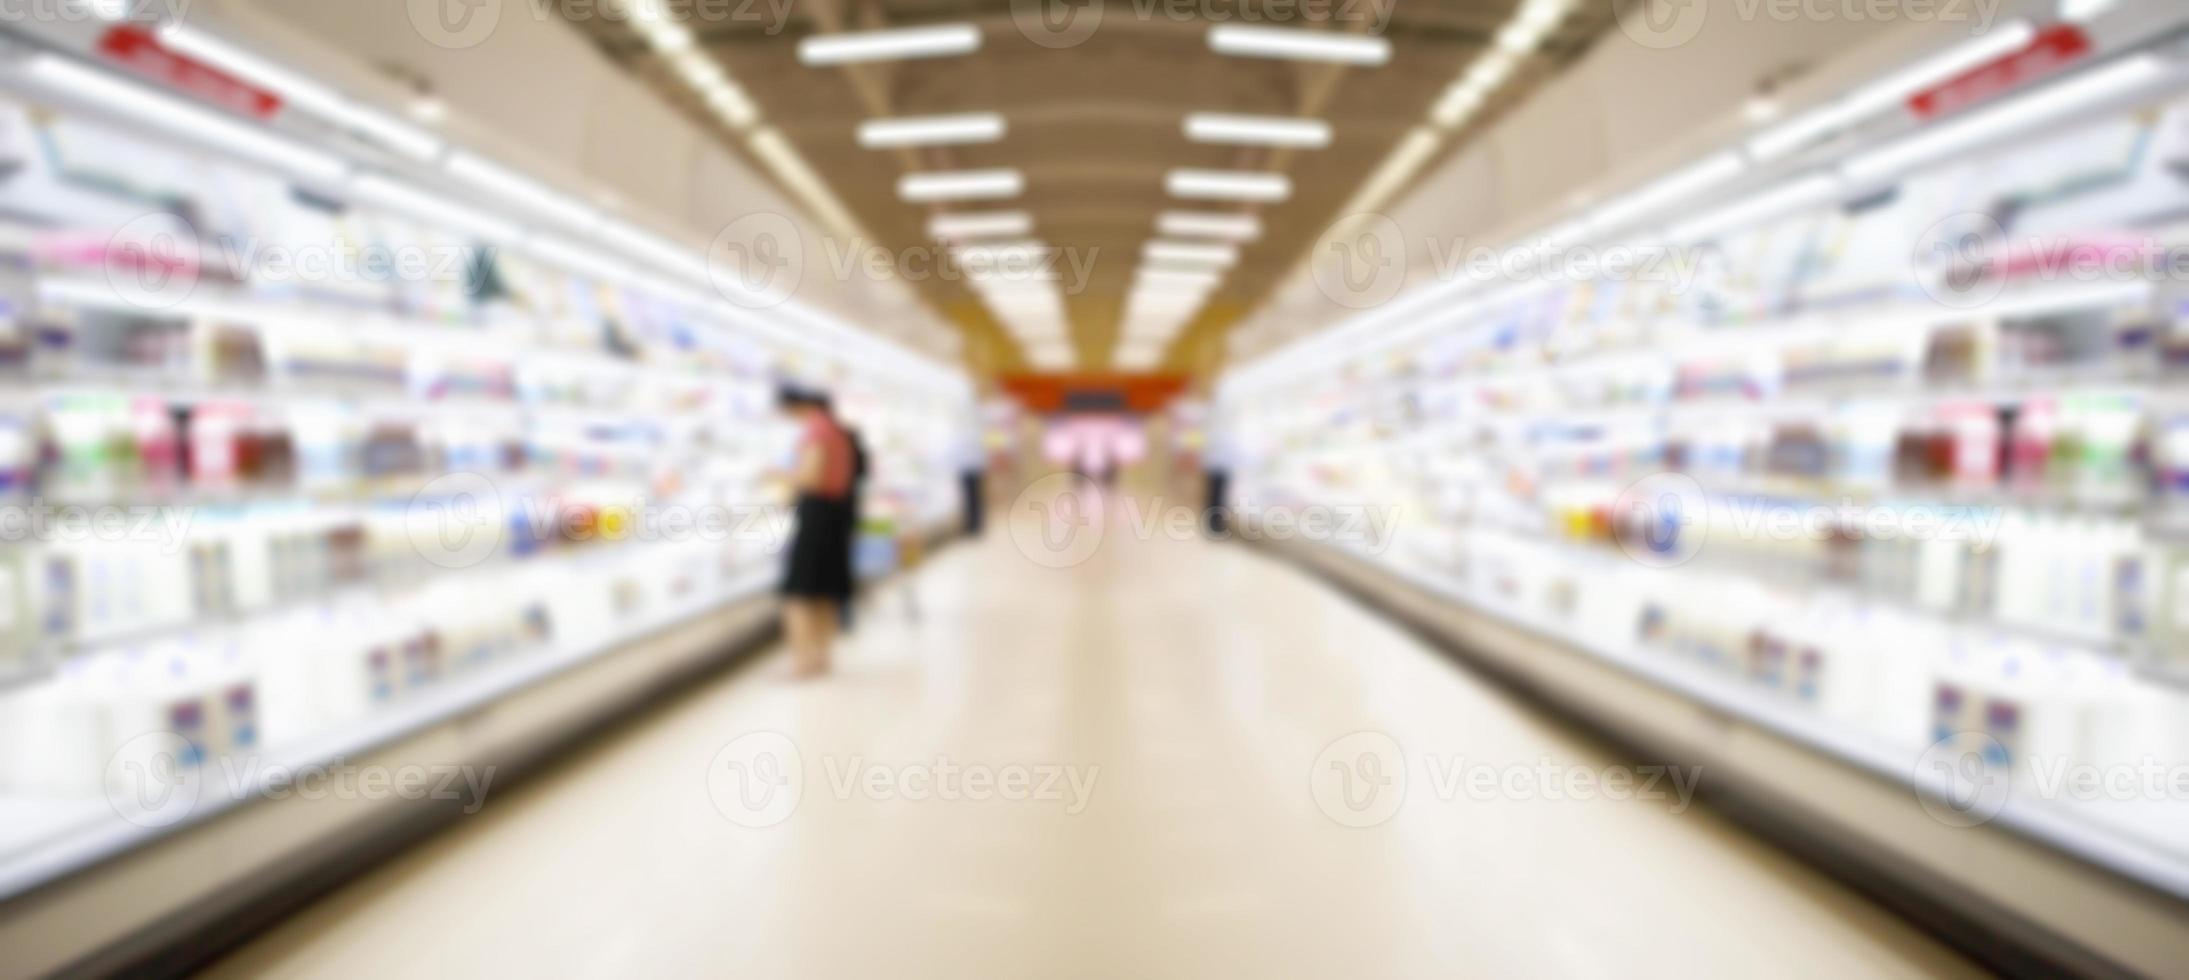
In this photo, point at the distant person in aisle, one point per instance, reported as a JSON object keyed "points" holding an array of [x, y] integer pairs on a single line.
{"points": [[817, 572]]}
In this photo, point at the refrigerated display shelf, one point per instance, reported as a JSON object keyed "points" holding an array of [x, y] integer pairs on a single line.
{"points": [[84, 833], [1507, 419], [2052, 822]]}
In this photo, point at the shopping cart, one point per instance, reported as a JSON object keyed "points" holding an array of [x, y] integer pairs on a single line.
{"points": [[882, 551]]}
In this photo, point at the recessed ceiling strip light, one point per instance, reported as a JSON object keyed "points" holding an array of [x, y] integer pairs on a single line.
{"points": [[947, 130], [964, 226], [1201, 254], [1228, 185], [1209, 224], [1295, 44], [1178, 278], [891, 45], [1238, 130], [960, 185]]}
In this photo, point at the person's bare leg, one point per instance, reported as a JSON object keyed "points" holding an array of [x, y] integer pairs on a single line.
{"points": [[798, 630], [826, 617]]}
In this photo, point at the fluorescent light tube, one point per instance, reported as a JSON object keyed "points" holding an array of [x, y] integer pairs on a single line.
{"points": [[979, 224], [949, 130], [654, 250], [1178, 279], [1893, 89], [182, 118], [1298, 45], [1228, 185], [729, 101], [301, 91], [769, 144], [911, 42], [1014, 255], [2055, 101], [1805, 192], [1986, 47], [1711, 170], [1209, 224], [1396, 169], [520, 189], [571, 256], [1191, 253], [2085, 11], [1222, 127], [432, 209], [960, 185], [1459, 101]]}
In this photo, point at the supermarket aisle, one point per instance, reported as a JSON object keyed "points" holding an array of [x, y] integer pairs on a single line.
{"points": [[1199, 851]]}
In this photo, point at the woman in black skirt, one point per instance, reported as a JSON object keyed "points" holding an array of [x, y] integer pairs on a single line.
{"points": [[817, 572]]}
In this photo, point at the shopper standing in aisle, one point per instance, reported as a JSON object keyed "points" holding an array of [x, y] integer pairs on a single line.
{"points": [[817, 574]]}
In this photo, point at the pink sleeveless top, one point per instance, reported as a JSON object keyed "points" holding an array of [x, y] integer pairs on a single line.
{"points": [[826, 438]]}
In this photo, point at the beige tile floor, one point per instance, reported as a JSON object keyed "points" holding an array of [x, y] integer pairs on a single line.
{"points": [[1203, 680]]}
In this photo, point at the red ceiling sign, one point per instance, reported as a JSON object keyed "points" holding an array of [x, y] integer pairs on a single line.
{"points": [[141, 51], [2054, 48], [1137, 394]]}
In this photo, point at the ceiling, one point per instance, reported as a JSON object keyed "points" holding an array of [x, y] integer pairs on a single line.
{"points": [[1094, 127]]}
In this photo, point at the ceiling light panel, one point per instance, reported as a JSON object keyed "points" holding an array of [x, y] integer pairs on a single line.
{"points": [[941, 41], [1192, 254], [1228, 185], [969, 225], [1239, 130], [960, 185], [1209, 224], [946, 130], [1247, 41], [520, 189]]}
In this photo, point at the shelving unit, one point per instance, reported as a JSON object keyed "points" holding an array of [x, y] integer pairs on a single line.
{"points": [[540, 390], [1601, 462]]}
